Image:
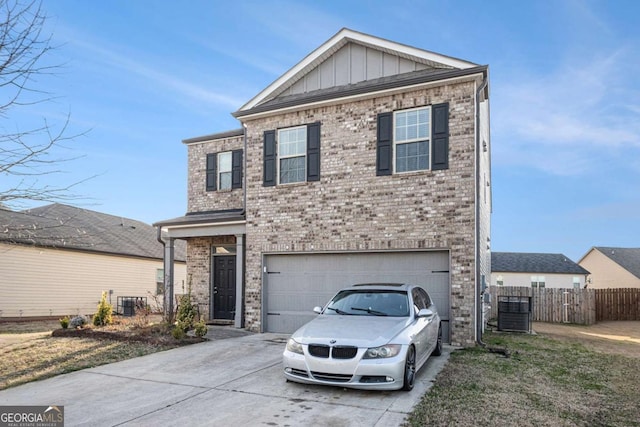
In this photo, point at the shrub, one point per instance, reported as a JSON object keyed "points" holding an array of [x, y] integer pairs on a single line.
{"points": [[104, 313], [187, 311], [200, 328], [78, 322], [179, 331], [64, 322]]}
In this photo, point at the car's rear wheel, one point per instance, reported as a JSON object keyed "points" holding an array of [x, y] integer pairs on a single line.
{"points": [[409, 369], [438, 350]]}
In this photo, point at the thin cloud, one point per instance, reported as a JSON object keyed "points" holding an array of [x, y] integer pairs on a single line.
{"points": [[168, 82], [568, 114], [293, 22]]}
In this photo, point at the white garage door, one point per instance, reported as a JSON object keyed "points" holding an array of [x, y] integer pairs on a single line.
{"points": [[294, 284]]}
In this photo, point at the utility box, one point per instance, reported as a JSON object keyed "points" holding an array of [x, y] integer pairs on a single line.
{"points": [[514, 313], [127, 305]]}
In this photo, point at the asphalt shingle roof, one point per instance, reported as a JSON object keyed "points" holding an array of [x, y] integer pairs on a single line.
{"points": [[628, 258], [518, 262], [64, 226]]}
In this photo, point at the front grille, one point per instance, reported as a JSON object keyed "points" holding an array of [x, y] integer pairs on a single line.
{"points": [[340, 352], [337, 352], [319, 350], [336, 378]]}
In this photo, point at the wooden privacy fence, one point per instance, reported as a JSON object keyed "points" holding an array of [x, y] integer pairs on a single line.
{"points": [[552, 305], [618, 304]]}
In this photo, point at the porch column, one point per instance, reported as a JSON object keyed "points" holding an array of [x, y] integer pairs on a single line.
{"points": [[168, 279], [239, 277]]}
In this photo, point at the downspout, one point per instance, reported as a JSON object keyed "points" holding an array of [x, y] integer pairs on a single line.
{"points": [[244, 172], [167, 258], [478, 272]]}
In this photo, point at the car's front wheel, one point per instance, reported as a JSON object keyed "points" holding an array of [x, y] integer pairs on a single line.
{"points": [[409, 369]]}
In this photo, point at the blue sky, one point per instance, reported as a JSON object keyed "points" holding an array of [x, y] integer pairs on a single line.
{"points": [[141, 76]]}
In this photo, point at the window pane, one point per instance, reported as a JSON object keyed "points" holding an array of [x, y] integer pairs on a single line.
{"points": [[412, 132], [412, 156], [401, 119], [292, 142], [412, 125], [225, 181], [224, 162], [292, 170], [412, 118]]}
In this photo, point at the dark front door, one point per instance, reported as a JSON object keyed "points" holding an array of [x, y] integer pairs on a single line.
{"points": [[224, 287]]}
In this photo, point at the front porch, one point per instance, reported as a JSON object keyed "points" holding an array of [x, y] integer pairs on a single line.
{"points": [[215, 263]]}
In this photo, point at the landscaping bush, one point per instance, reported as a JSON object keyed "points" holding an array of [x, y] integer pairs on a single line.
{"points": [[104, 314], [64, 322], [179, 332], [200, 328], [187, 311]]}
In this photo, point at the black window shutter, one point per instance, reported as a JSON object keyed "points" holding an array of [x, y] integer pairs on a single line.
{"points": [[384, 152], [236, 169], [313, 152], [212, 163], [269, 159], [440, 136]]}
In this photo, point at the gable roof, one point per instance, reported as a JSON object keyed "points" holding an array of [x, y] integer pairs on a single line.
{"points": [[518, 262], [409, 59], [68, 227], [627, 258]]}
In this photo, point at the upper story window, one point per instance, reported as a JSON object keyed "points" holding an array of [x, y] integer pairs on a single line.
{"points": [[576, 282], [413, 140], [292, 155], [412, 133], [224, 170]]}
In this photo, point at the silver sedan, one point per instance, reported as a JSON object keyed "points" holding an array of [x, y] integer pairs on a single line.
{"points": [[369, 336]]}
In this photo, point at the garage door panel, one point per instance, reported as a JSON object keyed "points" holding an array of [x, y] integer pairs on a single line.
{"points": [[295, 284]]}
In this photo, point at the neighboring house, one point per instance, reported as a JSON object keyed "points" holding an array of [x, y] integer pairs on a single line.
{"points": [[56, 260], [536, 270], [612, 267], [368, 161]]}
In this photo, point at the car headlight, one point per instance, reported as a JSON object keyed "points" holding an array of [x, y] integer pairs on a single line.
{"points": [[382, 352], [294, 346]]}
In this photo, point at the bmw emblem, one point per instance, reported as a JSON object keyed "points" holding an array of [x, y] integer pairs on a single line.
{"points": [[332, 342]]}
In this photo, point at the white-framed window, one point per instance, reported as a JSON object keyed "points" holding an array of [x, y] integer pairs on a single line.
{"points": [[537, 282], [576, 282], [500, 280], [411, 139], [224, 170], [159, 281], [292, 155]]}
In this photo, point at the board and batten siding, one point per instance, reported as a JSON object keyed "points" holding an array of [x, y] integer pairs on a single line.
{"points": [[38, 281]]}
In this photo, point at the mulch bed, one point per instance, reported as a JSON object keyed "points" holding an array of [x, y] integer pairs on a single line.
{"points": [[126, 336]]}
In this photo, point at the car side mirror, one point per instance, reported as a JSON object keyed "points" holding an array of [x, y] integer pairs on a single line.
{"points": [[317, 310], [425, 312]]}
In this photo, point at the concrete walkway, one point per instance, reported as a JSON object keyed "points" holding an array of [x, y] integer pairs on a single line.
{"points": [[233, 381]]}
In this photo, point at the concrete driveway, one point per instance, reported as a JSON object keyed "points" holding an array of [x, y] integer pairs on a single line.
{"points": [[235, 381]]}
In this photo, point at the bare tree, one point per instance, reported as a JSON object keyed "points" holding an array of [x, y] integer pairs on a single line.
{"points": [[28, 156]]}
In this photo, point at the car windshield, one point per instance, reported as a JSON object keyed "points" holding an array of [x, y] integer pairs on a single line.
{"points": [[368, 302]]}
